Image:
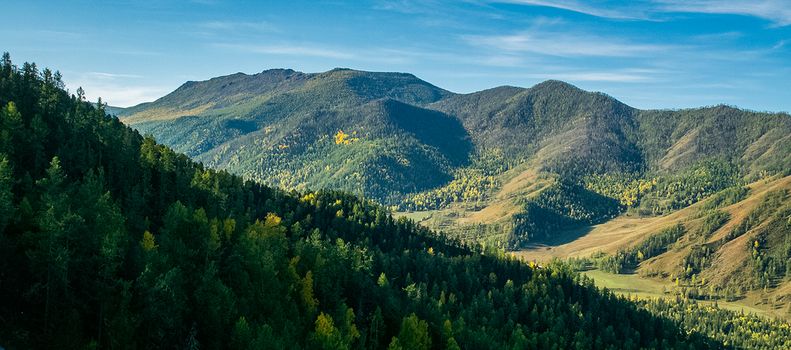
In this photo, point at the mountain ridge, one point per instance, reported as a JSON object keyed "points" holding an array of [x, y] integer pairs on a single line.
{"points": [[285, 137], [110, 240]]}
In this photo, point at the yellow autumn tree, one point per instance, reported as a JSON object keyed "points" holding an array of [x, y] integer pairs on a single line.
{"points": [[148, 242], [342, 138]]}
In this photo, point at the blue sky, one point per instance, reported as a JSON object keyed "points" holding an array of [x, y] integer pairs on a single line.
{"points": [[647, 53]]}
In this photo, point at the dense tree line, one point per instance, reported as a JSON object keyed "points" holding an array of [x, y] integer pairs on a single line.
{"points": [[690, 186], [469, 186], [725, 198], [628, 189], [771, 247], [561, 206], [281, 128], [770, 250], [732, 329], [628, 259], [109, 240]]}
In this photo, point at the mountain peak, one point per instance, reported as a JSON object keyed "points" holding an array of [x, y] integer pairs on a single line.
{"points": [[364, 73], [278, 71], [556, 84]]}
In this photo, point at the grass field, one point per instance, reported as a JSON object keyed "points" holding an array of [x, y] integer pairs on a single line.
{"points": [[620, 233], [465, 221], [636, 286], [416, 216]]}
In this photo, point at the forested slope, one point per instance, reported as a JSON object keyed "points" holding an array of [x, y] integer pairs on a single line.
{"points": [[415, 147], [109, 240], [282, 128]]}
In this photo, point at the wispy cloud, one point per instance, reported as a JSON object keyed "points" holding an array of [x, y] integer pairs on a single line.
{"points": [[563, 44], [407, 6], [289, 50], [104, 75], [124, 95], [718, 37], [611, 10], [621, 76], [341, 55], [776, 11], [261, 26], [627, 75], [116, 89]]}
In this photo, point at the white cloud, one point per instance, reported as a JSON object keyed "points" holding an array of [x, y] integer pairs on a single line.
{"points": [[103, 75], [289, 50], [411, 7], [563, 44], [776, 11], [379, 55], [121, 95], [577, 6], [612, 77], [718, 37], [116, 89], [626, 75], [239, 25]]}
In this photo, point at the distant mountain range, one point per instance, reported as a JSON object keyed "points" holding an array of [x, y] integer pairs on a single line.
{"points": [[524, 162], [697, 199]]}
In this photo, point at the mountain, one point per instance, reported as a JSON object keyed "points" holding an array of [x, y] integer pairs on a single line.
{"points": [[508, 167], [553, 121], [109, 240], [732, 246], [283, 128], [478, 157]]}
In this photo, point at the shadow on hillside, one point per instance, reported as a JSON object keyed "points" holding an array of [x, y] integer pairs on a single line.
{"points": [[559, 238]]}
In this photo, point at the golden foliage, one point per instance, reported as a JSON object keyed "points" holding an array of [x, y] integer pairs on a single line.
{"points": [[342, 138], [148, 243], [469, 187], [309, 197], [625, 189], [272, 220]]}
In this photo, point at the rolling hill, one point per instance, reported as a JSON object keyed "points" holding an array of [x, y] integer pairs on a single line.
{"points": [[282, 128], [547, 166], [733, 246], [394, 138], [110, 240]]}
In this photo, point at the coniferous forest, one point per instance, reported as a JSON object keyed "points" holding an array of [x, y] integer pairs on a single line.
{"points": [[109, 240]]}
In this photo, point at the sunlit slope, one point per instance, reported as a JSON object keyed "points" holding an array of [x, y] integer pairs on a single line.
{"points": [[746, 248], [508, 166], [281, 127]]}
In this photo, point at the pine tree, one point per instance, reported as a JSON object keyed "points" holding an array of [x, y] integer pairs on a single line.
{"points": [[414, 334], [6, 193]]}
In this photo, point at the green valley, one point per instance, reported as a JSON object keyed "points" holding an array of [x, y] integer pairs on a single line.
{"points": [[395, 174], [546, 171], [112, 240]]}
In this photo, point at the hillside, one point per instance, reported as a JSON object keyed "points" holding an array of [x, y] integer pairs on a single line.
{"points": [[109, 240], [418, 148], [558, 124], [734, 242], [281, 127], [509, 167]]}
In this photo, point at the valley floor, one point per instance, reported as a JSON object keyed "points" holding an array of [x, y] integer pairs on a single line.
{"points": [[624, 232], [632, 285]]}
